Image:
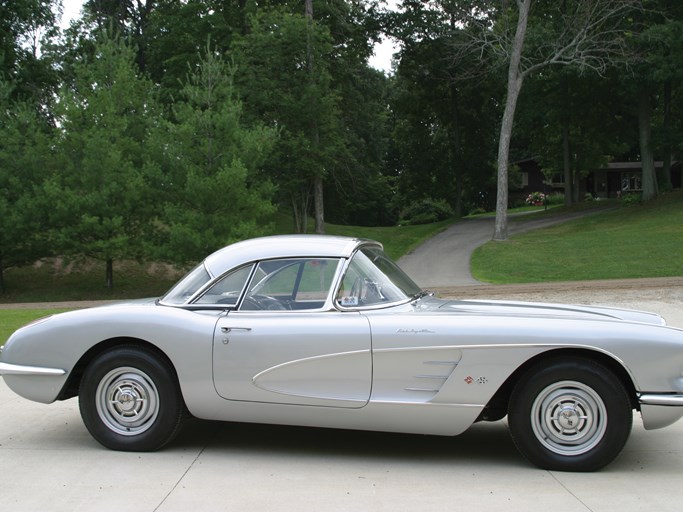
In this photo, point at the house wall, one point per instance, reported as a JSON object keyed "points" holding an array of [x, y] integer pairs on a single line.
{"points": [[609, 182]]}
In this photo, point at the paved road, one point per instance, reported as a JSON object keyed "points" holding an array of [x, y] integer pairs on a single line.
{"points": [[444, 260]]}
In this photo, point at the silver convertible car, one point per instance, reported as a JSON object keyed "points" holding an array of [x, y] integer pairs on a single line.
{"points": [[328, 332]]}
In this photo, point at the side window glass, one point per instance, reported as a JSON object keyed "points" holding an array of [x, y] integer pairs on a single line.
{"points": [[373, 280], [228, 289], [351, 290], [292, 284], [316, 280]]}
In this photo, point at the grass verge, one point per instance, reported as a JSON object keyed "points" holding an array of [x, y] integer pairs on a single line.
{"points": [[645, 240]]}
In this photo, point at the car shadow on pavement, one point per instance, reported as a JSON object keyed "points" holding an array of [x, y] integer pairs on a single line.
{"points": [[487, 443]]}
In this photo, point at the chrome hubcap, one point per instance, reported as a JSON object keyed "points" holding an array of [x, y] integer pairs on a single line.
{"points": [[569, 418], [127, 401]]}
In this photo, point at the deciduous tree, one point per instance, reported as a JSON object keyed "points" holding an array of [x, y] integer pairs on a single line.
{"points": [[528, 36], [284, 78]]}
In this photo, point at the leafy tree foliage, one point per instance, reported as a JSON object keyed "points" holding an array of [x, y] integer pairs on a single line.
{"points": [[444, 121], [281, 90], [650, 89], [25, 151], [99, 193], [567, 121], [360, 191], [23, 27], [177, 33], [130, 137], [213, 191]]}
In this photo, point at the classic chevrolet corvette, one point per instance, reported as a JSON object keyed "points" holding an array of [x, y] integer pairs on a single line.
{"points": [[328, 332]]}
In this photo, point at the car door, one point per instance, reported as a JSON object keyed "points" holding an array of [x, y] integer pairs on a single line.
{"points": [[282, 347], [293, 358]]}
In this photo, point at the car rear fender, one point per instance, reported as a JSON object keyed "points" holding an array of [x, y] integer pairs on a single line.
{"points": [[497, 407]]}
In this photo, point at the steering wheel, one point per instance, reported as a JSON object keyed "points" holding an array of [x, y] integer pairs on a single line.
{"points": [[263, 302]]}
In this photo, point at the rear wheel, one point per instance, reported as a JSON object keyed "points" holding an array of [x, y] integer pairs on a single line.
{"points": [[130, 400], [570, 415]]}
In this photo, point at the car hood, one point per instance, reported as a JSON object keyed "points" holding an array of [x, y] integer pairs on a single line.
{"points": [[535, 310], [131, 302]]}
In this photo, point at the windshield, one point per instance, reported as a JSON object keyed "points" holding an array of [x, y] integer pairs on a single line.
{"points": [[187, 286], [372, 279]]}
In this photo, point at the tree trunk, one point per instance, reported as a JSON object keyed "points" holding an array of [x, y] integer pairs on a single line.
{"points": [[110, 274], [455, 151], [456, 159], [318, 202], [668, 150], [515, 79], [649, 178], [567, 166], [300, 211], [566, 153], [318, 205]]}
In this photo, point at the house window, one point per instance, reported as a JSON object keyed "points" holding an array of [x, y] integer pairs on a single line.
{"points": [[525, 179], [558, 178], [631, 182]]}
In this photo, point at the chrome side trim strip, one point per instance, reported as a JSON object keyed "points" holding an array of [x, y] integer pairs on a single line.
{"points": [[661, 399], [15, 369]]}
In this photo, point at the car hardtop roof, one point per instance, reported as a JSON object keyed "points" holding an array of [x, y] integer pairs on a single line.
{"points": [[282, 246]]}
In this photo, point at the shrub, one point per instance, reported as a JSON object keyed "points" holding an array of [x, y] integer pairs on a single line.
{"points": [[631, 199], [555, 198], [426, 211]]}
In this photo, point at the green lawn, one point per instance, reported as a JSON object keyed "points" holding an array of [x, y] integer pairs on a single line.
{"points": [[639, 241], [12, 319]]}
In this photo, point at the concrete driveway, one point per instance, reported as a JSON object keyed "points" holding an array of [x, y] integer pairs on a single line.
{"points": [[49, 462]]}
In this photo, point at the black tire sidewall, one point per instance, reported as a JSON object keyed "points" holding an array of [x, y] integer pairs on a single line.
{"points": [[170, 412], [590, 373]]}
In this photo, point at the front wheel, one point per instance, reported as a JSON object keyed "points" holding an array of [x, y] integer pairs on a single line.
{"points": [[130, 400], [570, 415]]}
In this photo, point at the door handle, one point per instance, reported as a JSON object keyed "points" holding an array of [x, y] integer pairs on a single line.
{"points": [[227, 330], [230, 329]]}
